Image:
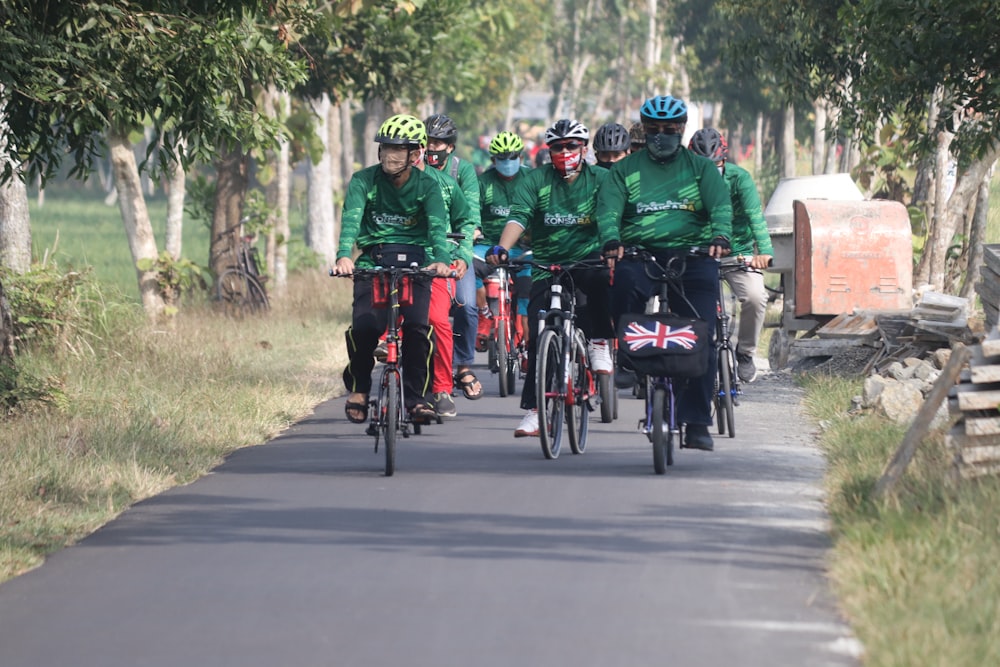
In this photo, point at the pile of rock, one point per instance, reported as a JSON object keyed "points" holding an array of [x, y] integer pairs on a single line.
{"points": [[899, 390]]}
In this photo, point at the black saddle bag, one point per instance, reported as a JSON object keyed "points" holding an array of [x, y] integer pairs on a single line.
{"points": [[396, 255], [664, 345]]}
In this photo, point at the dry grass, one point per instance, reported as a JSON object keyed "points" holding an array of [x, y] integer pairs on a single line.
{"points": [[148, 408]]}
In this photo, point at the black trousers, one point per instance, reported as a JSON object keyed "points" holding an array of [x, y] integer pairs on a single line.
{"points": [[369, 323]]}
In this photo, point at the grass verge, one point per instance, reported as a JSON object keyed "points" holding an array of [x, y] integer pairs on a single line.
{"points": [[915, 574], [145, 408]]}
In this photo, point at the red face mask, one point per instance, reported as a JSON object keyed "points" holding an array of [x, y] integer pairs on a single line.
{"points": [[566, 164]]}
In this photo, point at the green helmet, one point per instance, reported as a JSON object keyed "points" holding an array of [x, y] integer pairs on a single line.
{"points": [[506, 142], [402, 129]]}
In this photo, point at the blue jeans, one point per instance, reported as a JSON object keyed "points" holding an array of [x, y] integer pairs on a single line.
{"points": [[632, 288], [466, 319]]}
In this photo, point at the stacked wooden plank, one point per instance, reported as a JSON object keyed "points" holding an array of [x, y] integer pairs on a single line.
{"points": [[975, 438], [989, 288], [941, 315]]}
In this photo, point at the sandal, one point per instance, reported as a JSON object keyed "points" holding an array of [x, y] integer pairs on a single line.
{"points": [[467, 386], [354, 408], [422, 412]]}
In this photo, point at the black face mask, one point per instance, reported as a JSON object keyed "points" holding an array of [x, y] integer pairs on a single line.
{"points": [[606, 165], [663, 147], [437, 159]]}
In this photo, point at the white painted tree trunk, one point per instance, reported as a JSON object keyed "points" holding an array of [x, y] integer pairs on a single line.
{"points": [[176, 191], [788, 142], [319, 223], [758, 145], [819, 136], [15, 224], [347, 139], [135, 216], [375, 113]]}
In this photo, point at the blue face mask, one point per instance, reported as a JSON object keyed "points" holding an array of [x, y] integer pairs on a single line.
{"points": [[507, 168]]}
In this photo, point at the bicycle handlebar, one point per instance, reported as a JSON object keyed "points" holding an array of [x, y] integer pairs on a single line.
{"points": [[384, 270]]}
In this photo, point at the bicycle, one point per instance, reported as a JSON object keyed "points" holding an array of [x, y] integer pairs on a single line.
{"points": [[728, 386], [240, 288], [664, 347], [390, 286], [503, 352], [564, 380]]}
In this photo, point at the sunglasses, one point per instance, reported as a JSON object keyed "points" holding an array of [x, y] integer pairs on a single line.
{"points": [[565, 146], [506, 156]]}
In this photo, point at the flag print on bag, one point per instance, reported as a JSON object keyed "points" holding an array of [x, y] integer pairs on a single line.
{"points": [[664, 345]]}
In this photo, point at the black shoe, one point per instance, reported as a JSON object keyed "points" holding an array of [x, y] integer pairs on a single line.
{"points": [[624, 378], [696, 437]]}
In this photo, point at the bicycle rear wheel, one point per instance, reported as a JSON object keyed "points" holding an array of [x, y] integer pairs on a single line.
{"points": [[577, 395], [663, 444], [550, 385]]}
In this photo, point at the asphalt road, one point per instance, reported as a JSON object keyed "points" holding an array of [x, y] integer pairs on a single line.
{"points": [[478, 552]]}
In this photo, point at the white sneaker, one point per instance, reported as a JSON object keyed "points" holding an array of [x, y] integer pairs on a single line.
{"points": [[528, 427], [600, 356]]}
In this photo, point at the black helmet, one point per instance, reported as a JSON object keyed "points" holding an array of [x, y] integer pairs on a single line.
{"points": [[709, 143], [611, 137], [441, 127]]}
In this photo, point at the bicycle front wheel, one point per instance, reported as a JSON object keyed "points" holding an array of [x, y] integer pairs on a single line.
{"points": [[724, 416], [550, 386], [663, 444], [503, 357], [392, 413], [240, 294], [577, 395]]}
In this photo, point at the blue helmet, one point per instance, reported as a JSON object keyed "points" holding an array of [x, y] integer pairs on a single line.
{"points": [[664, 107]]}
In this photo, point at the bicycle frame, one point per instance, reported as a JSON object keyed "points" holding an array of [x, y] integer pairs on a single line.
{"points": [[503, 354], [387, 416], [570, 383]]}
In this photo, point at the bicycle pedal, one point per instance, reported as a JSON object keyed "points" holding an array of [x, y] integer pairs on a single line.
{"points": [[371, 430]]}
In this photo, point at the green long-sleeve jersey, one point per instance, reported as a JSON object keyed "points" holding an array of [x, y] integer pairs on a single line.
{"points": [[459, 214], [558, 214], [376, 211], [670, 206], [496, 194], [464, 172], [749, 227]]}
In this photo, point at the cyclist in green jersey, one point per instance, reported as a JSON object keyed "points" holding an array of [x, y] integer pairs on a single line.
{"points": [[751, 240], [392, 210], [665, 199], [611, 144], [555, 203], [637, 136], [443, 291], [441, 137], [496, 192]]}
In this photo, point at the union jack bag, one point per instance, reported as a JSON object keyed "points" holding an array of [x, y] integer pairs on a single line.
{"points": [[664, 345]]}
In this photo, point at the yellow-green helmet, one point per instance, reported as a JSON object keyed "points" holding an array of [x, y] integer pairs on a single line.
{"points": [[402, 129], [506, 142]]}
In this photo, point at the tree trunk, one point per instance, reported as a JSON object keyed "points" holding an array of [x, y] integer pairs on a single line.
{"points": [[348, 156], [977, 234], [938, 237], [176, 191], [278, 198], [374, 115], [819, 136], [788, 142], [230, 192], [135, 216], [758, 145], [319, 223], [15, 226]]}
